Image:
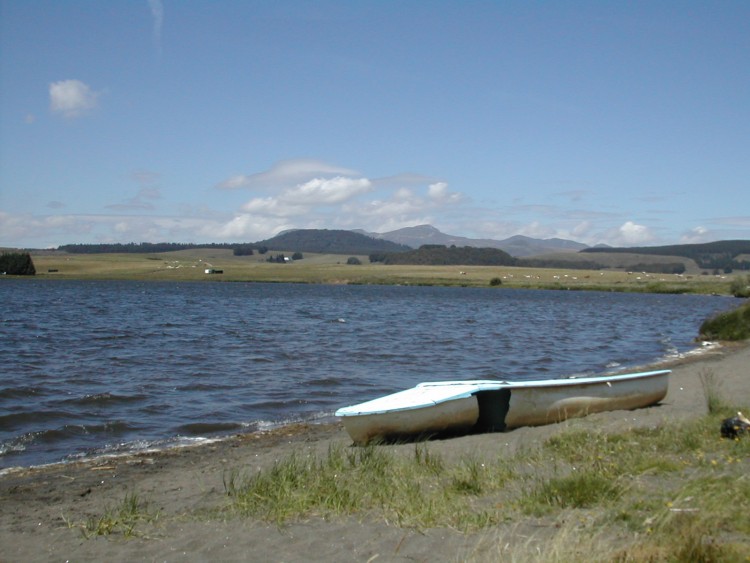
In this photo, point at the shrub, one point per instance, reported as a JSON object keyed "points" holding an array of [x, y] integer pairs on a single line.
{"points": [[17, 264], [496, 281], [740, 286], [730, 325], [354, 261]]}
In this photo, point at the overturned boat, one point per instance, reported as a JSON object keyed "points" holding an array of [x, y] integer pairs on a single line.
{"points": [[491, 406]]}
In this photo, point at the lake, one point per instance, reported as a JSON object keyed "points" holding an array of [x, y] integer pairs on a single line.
{"points": [[99, 367]]}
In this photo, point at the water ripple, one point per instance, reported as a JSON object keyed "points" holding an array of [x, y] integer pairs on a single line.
{"points": [[106, 366]]}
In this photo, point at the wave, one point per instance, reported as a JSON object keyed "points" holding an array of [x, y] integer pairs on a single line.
{"points": [[203, 387], [104, 399], [322, 382], [21, 392], [201, 428], [10, 421], [63, 433]]}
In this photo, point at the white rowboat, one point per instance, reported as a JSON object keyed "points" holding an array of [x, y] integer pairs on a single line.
{"points": [[485, 405]]}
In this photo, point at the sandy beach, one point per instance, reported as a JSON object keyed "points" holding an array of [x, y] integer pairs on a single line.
{"points": [[43, 507]]}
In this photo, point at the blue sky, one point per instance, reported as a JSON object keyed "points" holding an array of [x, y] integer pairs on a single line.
{"points": [[626, 123]]}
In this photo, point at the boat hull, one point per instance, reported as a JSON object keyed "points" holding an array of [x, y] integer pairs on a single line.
{"points": [[534, 406], [451, 416], [465, 406]]}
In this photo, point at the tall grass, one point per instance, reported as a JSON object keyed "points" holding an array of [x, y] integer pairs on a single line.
{"points": [[415, 490], [676, 491], [712, 392]]}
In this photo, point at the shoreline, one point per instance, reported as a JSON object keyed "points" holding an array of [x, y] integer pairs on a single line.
{"points": [[44, 506], [203, 441]]}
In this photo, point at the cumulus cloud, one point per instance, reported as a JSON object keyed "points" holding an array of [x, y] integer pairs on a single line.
{"points": [[285, 174], [631, 234], [273, 206], [299, 193], [322, 191], [72, 98], [305, 197], [309, 193], [439, 192]]}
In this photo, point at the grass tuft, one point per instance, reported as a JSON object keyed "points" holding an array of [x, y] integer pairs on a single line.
{"points": [[120, 519], [712, 393]]}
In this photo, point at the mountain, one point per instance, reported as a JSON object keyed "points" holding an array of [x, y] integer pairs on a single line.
{"points": [[518, 245], [326, 241]]}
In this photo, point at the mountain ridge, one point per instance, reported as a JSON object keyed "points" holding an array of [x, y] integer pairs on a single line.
{"points": [[517, 245]]}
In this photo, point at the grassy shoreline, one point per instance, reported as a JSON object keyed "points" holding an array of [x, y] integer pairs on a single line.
{"points": [[190, 265], [668, 490]]}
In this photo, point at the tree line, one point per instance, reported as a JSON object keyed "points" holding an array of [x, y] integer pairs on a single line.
{"points": [[721, 255], [138, 247], [441, 255]]}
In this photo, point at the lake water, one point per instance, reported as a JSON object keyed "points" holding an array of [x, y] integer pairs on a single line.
{"points": [[100, 367]]}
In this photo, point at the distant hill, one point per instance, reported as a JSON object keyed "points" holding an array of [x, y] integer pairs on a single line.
{"points": [[440, 255], [619, 261], [518, 245], [721, 255], [326, 241]]}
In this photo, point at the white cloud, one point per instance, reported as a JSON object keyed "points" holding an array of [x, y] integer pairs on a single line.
{"points": [[275, 207], [42, 231], [630, 234], [537, 230], [695, 235], [581, 230], [302, 199], [320, 191], [286, 174], [234, 182], [439, 193], [247, 227], [72, 98]]}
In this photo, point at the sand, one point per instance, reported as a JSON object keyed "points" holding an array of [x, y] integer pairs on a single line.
{"points": [[186, 483]]}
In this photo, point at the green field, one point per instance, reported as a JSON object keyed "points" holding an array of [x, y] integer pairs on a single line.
{"points": [[191, 265]]}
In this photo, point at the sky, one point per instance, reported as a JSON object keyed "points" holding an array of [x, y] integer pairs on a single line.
{"points": [[623, 123]]}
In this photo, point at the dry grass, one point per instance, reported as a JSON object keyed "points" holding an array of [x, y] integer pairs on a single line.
{"points": [[189, 265]]}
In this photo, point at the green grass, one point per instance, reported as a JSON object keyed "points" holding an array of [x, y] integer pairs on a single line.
{"points": [[676, 491], [730, 325], [189, 265], [120, 519], [715, 403], [671, 489], [414, 490]]}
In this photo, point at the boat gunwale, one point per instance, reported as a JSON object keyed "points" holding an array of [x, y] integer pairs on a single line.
{"points": [[561, 382]]}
